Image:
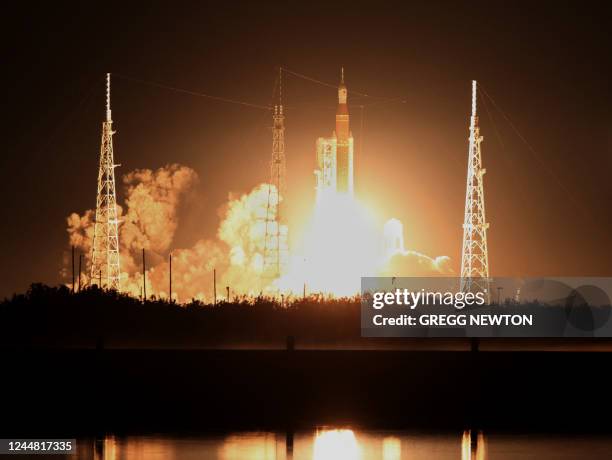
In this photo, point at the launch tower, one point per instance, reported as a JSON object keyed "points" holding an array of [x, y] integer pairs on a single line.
{"points": [[275, 244], [105, 248], [474, 257]]}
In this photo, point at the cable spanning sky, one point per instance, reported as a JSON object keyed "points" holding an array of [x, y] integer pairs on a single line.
{"points": [[546, 123]]}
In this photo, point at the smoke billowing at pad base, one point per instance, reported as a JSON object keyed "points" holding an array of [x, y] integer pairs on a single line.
{"points": [[342, 241], [150, 222]]}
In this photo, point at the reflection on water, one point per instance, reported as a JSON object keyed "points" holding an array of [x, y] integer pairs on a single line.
{"points": [[473, 446], [334, 444], [391, 448], [258, 446], [343, 444]]}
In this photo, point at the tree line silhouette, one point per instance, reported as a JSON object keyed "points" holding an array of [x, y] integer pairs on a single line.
{"points": [[47, 316], [55, 316]]}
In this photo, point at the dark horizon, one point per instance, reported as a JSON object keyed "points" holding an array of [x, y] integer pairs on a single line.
{"points": [[546, 65]]}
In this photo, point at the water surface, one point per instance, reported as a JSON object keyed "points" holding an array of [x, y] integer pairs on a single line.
{"points": [[346, 444]]}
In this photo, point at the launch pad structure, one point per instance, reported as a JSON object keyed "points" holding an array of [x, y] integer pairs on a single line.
{"points": [[105, 263], [276, 250], [475, 255]]}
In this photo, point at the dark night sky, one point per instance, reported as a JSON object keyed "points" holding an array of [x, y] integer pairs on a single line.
{"points": [[546, 64]]}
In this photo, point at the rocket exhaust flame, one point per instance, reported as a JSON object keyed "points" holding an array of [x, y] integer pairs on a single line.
{"points": [[341, 244]]}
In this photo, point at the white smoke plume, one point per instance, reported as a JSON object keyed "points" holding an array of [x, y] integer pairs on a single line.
{"points": [[149, 220], [413, 263]]}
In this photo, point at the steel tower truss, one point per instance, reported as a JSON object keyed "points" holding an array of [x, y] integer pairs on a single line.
{"points": [[105, 267], [475, 257], [275, 245]]}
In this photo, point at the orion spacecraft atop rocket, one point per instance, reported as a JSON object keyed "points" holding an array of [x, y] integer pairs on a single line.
{"points": [[334, 171]]}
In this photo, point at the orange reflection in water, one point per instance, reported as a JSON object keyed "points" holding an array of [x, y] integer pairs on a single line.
{"points": [[324, 444], [473, 448], [391, 448], [336, 444], [134, 448], [257, 446], [105, 449]]}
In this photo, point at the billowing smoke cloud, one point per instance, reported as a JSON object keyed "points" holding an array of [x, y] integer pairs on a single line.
{"points": [[243, 231], [236, 255], [413, 263], [80, 230], [149, 220], [402, 262]]}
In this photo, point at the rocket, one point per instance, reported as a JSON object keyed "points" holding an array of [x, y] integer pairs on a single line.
{"points": [[334, 173]]}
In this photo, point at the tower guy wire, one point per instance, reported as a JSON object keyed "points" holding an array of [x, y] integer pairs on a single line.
{"points": [[330, 85], [193, 93]]}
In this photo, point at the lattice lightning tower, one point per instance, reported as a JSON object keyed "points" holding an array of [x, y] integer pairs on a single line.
{"points": [[474, 257], [105, 249], [275, 244]]}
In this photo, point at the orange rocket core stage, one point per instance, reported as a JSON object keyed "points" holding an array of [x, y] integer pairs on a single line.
{"points": [[344, 166]]}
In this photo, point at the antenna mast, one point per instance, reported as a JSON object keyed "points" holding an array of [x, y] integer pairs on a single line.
{"points": [[105, 247], [275, 243], [475, 257]]}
